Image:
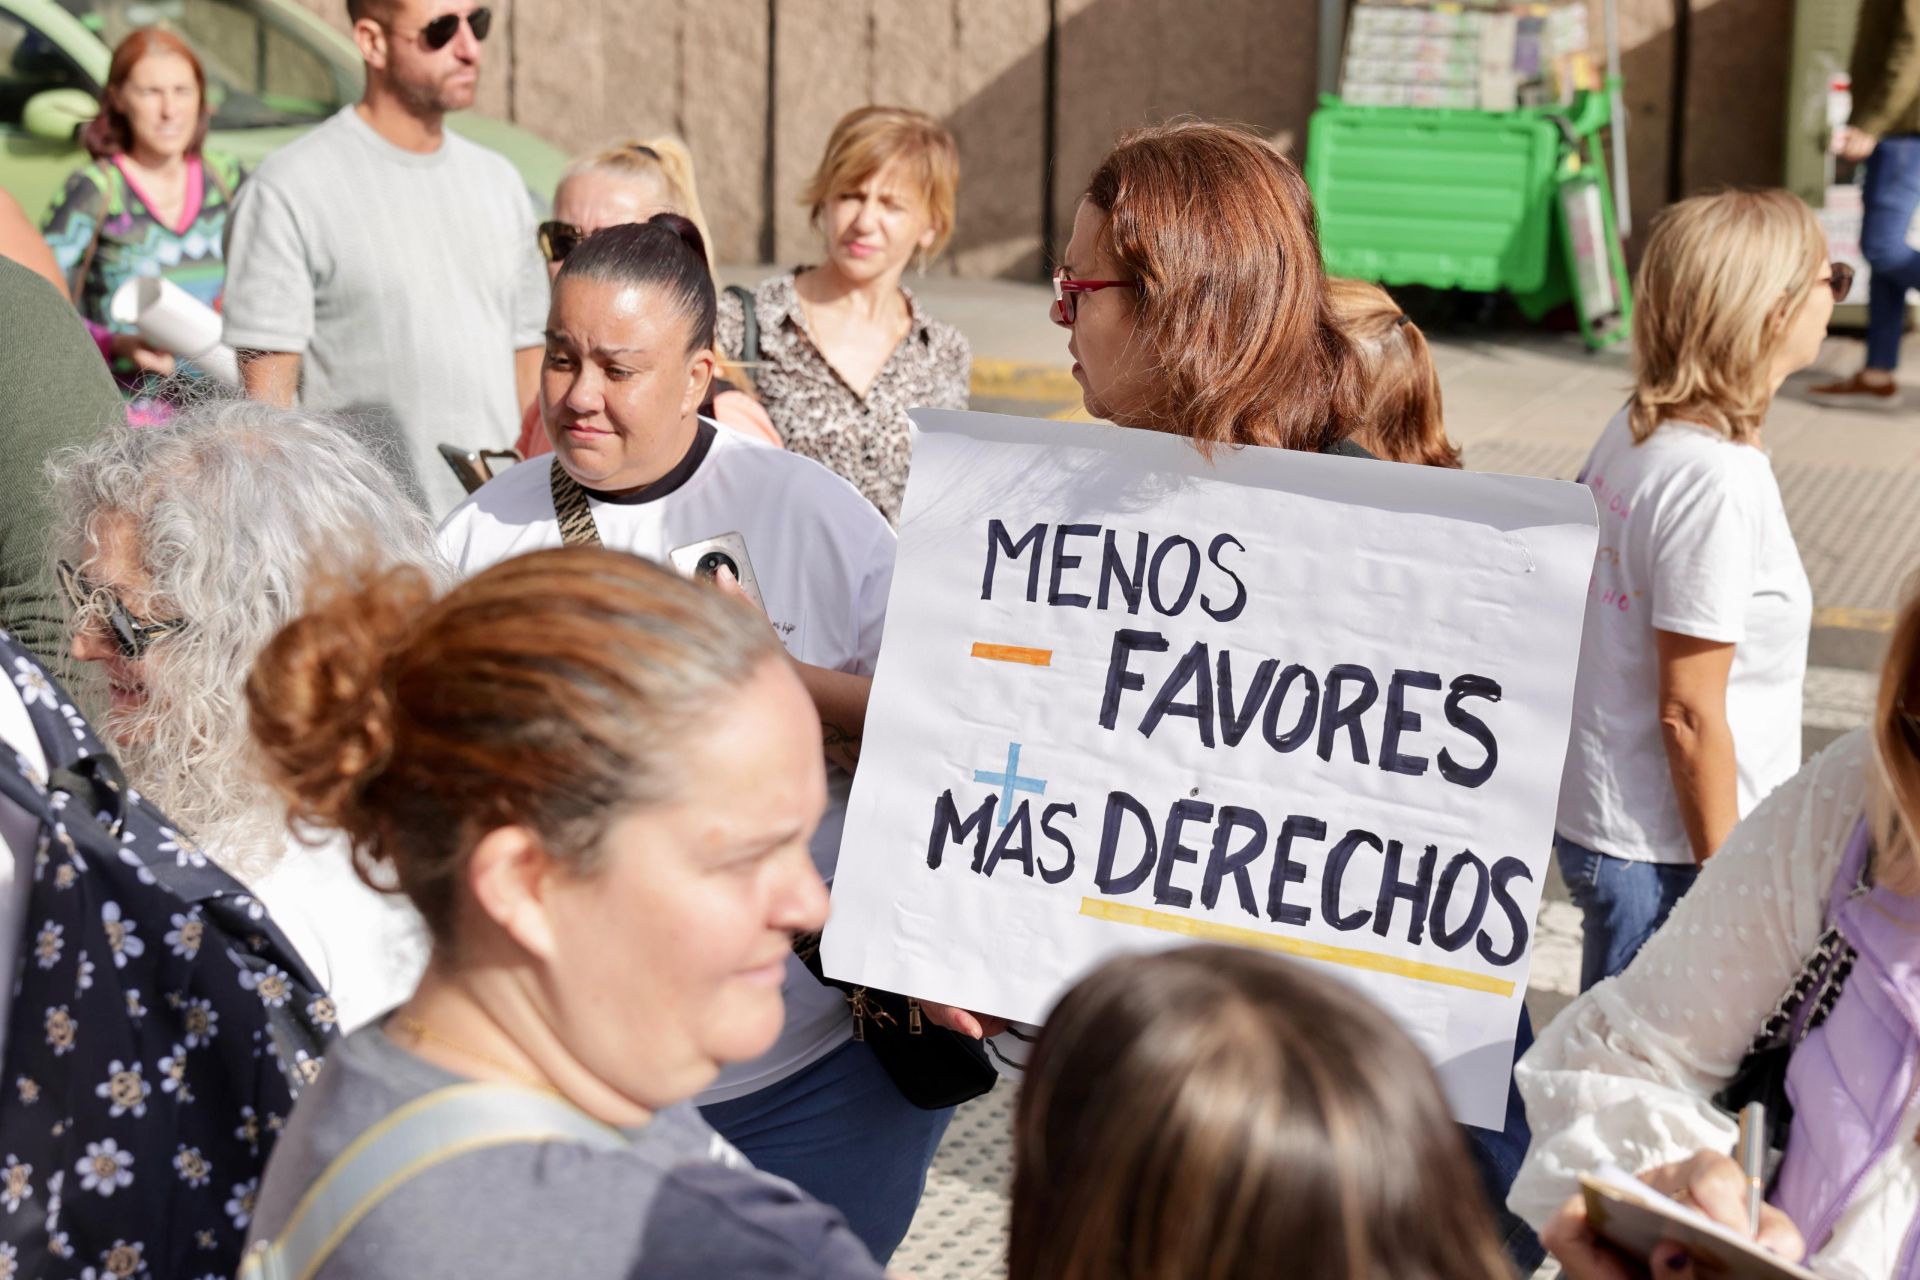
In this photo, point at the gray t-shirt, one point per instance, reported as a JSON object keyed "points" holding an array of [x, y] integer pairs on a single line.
{"points": [[678, 1204], [405, 282]]}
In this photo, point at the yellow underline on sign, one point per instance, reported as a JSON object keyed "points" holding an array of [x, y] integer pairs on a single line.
{"points": [[1167, 922], [1845, 619], [1013, 653]]}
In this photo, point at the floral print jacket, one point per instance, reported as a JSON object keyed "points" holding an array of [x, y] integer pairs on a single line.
{"points": [[161, 1026]]}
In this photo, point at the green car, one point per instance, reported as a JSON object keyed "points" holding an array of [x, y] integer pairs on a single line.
{"points": [[274, 70]]}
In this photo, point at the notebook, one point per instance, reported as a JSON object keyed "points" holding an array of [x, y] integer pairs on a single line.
{"points": [[1635, 1218]]}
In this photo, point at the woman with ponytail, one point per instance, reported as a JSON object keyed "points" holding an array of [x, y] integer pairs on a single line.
{"points": [[597, 784], [1403, 421], [636, 467]]}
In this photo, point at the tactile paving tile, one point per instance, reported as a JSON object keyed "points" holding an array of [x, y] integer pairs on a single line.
{"points": [[1510, 457], [1858, 528], [960, 1232]]}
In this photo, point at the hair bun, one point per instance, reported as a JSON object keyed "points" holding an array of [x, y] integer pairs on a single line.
{"points": [[319, 699], [683, 227]]}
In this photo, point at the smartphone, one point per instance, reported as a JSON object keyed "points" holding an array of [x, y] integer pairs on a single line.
{"points": [[705, 558], [477, 466]]}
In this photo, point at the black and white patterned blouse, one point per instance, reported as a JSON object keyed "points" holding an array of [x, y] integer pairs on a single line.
{"points": [[161, 1027], [864, 439]]}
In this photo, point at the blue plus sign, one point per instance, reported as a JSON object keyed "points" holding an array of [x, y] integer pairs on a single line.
{"points": [[1010, 782]]}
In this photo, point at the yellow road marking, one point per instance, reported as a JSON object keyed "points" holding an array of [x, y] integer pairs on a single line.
{"points": [[1013, 653], [1167, 922], [1845, 619], [1021, 380]]}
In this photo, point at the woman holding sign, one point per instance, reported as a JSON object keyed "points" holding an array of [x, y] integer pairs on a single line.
{"points": [[1687, 708], [1800, 941], [1196, 299]]}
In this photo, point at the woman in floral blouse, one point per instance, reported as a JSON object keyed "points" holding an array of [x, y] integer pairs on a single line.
{"points": [[151, 202], [844, 350]]}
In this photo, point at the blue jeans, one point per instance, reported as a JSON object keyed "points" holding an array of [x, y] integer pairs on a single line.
{"points": [[1621, 903], [840, 1131], [1497, 1154], [1892, 194]]}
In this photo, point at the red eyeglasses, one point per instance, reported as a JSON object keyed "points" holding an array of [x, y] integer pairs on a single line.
{"points": [[1066, 293]]}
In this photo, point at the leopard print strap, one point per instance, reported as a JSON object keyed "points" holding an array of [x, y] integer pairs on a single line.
{"points": [[577, 528]]}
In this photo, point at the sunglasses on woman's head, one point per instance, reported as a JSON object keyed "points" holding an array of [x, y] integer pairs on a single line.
{"points": [[558, 239], [439, 33], [129, 633]]}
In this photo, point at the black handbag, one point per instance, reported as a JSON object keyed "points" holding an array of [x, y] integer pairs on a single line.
{"points": [[933, 1067]]}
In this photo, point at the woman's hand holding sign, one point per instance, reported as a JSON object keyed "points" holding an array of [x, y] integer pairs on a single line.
{"points": [[975, 1026]]}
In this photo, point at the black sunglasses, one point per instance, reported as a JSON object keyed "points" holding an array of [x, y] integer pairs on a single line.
{"points": [[558, 239], [439, 33], [1841, 282], [132, 635]]}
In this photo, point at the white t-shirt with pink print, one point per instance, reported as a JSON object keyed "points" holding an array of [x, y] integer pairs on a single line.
{"points": [[1693, 540]]}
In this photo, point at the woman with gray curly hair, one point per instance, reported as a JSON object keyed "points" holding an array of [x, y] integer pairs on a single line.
{"points": [[184, 548]]}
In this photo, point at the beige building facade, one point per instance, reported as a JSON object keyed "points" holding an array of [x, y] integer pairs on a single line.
{"points": [[1035, 91]]}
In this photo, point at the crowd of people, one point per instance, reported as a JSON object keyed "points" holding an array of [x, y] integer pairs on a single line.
{"points": [[519, 829]]}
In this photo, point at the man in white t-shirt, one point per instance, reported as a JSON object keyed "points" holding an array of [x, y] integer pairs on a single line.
{"points": [[385, 268], [628, 360]]}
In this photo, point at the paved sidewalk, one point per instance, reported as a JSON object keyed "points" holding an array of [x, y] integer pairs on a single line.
{"points": [[1521, 402]]}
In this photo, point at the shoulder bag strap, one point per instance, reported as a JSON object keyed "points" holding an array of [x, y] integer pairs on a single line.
{"points": [[211, 168], [1817, 986], [107, 170], [749, 326], [577, 528], [428, 1131]]}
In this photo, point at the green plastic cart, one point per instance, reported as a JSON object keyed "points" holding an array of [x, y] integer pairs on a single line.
{"points": [[1482, 200]]}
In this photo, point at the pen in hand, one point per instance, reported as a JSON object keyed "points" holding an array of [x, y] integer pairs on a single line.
{"points": [[1753, 1160]]}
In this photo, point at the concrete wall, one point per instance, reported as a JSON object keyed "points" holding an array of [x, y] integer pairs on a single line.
{"points": [[585, 72]]}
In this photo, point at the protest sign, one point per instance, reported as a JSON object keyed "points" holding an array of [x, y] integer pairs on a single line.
{"points": [[1130, 697]]}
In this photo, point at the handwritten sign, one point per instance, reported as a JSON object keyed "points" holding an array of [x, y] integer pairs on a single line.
{"points": [[1129, 697]]}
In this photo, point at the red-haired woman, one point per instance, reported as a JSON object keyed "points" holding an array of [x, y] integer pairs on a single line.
{"points": [[151, 202], [1198, 306]]}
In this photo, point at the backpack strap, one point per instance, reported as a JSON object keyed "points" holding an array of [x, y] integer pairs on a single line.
{"points": [[426, 1132]]}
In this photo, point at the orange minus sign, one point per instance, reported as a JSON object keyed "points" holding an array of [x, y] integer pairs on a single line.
{"points": [[1013, 653]]}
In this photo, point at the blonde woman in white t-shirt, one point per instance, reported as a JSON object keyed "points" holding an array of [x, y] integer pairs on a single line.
{"points": [[1687, 707]]}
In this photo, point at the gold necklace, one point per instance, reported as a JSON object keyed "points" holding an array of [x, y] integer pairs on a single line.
{"points": [[421, 1032]]}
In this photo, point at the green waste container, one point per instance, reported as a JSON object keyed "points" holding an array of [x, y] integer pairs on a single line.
{"points": [[1460, 199]]}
